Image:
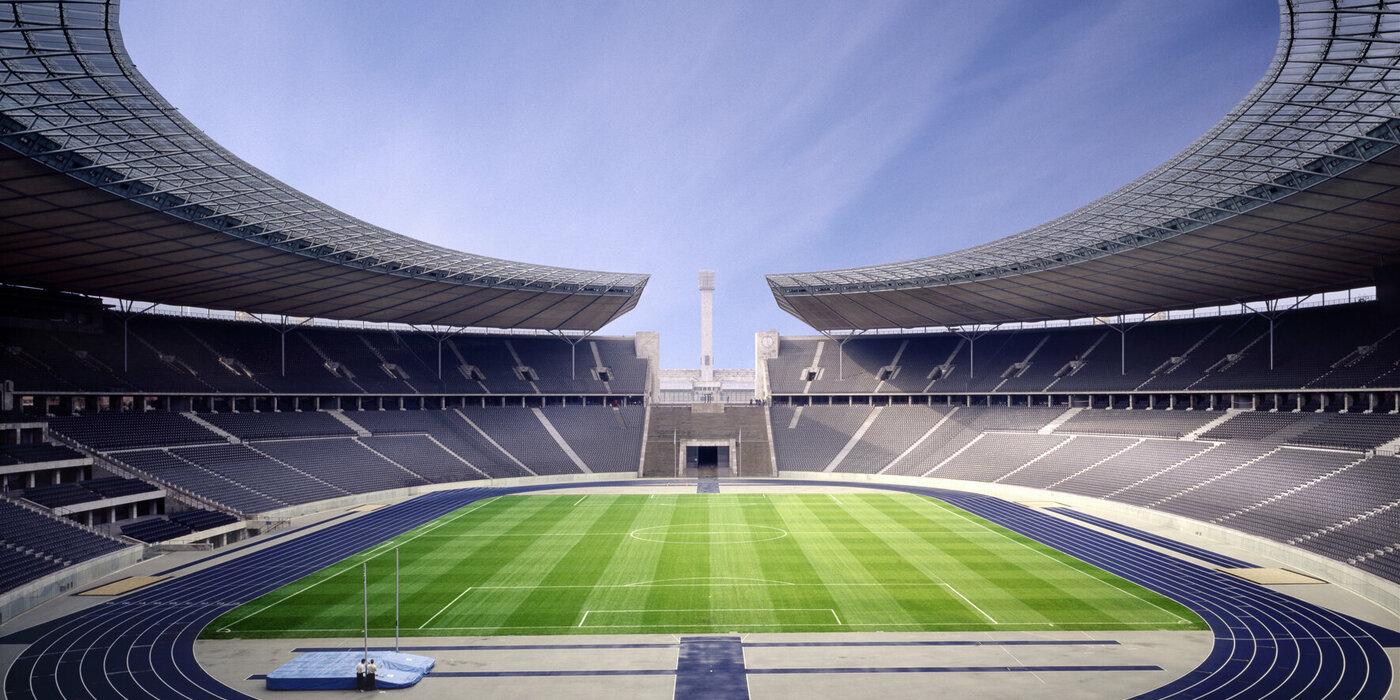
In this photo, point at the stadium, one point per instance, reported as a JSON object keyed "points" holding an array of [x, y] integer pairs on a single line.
{"points": [[1147, 449]]}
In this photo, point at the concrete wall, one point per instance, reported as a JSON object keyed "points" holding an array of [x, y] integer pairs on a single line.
{"points": [[72, 578], [393, 495]]}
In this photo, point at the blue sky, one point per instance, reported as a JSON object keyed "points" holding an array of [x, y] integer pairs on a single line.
{"points": [[664, 137]]}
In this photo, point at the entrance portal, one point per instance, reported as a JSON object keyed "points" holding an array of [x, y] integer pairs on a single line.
{"points": [[707, 460]]}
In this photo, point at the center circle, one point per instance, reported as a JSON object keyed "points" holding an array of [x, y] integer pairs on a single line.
{"points": [[708, 534]]}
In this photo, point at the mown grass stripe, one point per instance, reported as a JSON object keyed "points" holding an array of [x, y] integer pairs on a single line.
{"points": [[507, 602], [1084, 569], [842, 559], [708, 563]]}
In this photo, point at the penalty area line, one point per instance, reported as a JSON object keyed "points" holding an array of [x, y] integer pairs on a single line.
{"points": [[949, 508], [445, 607], [380, 546], [974, 605]]}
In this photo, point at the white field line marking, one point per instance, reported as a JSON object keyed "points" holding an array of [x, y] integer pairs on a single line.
{"points": [[349, 568], [916, 533], [1061, 626], [958, 513], [707, 581], [838, 501], [728, 583], [1018, 663], [445, 607], [586, 613], [580, 499], [752, 531], [974, 605]]}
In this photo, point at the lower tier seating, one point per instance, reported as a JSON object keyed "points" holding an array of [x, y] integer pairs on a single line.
{"points": [[1280, 476]]}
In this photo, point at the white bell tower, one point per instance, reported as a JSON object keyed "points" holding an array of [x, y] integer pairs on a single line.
{"points": [[707, 325]]}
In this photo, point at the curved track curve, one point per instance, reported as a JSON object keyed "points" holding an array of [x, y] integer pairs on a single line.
{"points": [[1267, 645]]}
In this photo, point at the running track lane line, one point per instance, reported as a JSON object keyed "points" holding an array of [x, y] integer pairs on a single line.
{"points": [[1267, 644]]}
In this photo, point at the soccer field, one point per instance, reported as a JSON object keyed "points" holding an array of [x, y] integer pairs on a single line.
{"points": [[697, 563]]}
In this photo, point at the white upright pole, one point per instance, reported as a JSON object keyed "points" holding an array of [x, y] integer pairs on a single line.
{"points": [[364, 574], [396, 600]]}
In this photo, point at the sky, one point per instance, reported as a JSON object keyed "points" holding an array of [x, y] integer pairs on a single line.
{"points": [[665, 137]]}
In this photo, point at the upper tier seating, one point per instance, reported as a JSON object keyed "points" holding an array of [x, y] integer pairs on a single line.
{"points": [[1346, 347], [202, 357]]}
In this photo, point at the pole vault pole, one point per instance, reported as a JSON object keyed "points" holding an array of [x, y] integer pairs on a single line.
{"points": [[396, 600], [364, 574]]}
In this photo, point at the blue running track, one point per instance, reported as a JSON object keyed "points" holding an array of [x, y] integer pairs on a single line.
{"points": [[141, 645]]}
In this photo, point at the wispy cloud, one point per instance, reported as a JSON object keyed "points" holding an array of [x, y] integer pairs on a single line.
{"points": [[663, 137]]}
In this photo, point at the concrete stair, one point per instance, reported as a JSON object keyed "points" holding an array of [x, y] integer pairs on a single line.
{"points": [[671, 426]]}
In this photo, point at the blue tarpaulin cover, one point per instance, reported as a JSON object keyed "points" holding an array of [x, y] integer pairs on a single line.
{"points": [[335, 670]]}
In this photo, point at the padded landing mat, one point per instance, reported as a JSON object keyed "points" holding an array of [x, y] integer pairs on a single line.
{"points": [[129, 583], [335, 670], [1041, 504], [1268, 576]]}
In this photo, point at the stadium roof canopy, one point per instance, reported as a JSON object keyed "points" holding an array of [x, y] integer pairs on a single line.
{"points": [[106, 189], [1295, 191]]}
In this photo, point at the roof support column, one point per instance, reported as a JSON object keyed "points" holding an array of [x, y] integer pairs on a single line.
{"points": [[439, 334], [1122, 326], [125, 313], [283, 328], [573, 349], [1273, 309], [841, 350], [971, 334]]}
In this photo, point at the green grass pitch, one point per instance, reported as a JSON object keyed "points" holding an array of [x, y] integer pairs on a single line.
{"points": [[596, 563]]}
